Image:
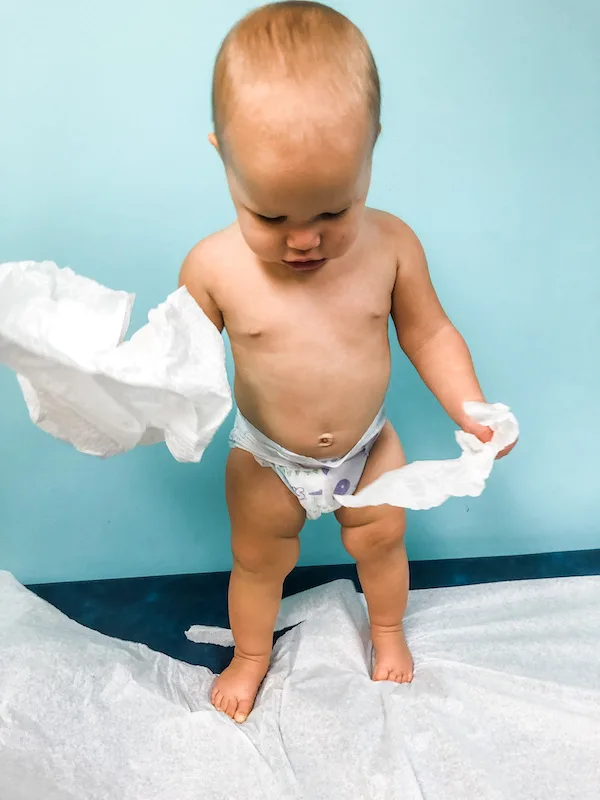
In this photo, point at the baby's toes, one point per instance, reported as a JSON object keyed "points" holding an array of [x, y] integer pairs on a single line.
{"points": [[216, 699], [230, 707], [243, 709], [381, 674]]}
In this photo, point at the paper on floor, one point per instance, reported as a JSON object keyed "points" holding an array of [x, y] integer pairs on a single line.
{"points": [[505, 705], [63, 335], [426, 484]]}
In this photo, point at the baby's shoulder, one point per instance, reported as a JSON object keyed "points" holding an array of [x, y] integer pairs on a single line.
{"points": [[398, 240], [207, 257], [212, 259], [391, 227]]}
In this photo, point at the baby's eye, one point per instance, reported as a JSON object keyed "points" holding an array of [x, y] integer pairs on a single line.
{"points": [[271, 220], [334, 215]]}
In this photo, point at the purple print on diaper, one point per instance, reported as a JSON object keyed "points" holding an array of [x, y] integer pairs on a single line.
{"points": [[342, 487]]}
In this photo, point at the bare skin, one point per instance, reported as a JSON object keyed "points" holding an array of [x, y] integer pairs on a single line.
{"points": [[304, 341], [374, 537], [266, 521], [337, 314], [289, 387]]}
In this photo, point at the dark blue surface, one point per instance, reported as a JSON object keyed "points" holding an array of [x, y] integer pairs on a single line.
{"points": [[157, 610]]}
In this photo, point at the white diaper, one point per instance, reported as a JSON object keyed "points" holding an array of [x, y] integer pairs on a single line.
{"points": [[314, 481]]}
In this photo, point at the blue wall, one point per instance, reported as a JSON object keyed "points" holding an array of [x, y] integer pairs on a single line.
{"points": [[491, 151]]}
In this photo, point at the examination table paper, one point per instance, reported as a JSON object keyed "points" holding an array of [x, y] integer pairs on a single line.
{"points": [[505, 704]]}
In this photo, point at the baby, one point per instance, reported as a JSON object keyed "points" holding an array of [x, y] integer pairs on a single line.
{"points": [[304, 283]]}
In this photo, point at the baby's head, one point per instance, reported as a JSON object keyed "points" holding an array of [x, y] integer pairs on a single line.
{"points": [[296, 103]]}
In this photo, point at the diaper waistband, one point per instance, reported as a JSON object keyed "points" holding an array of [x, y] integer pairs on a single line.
{"points": [[245, 436]]}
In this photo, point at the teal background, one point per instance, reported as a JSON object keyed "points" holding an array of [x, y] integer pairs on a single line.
{"points": [[490, 150]]}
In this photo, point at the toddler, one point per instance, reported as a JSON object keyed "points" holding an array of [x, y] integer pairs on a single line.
{"points": [[304, 282]]}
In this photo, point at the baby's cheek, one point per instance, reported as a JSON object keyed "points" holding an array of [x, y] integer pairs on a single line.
{"points": [[271, 245], [258, 241], [344, 238]]}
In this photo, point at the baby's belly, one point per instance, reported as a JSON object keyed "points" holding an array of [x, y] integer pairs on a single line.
{"points": [[301, 402]]}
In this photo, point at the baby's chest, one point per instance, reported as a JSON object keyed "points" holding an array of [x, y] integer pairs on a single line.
{"points": [[291, 319]]}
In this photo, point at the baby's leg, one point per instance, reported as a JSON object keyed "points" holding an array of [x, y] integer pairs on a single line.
{"points": [[374, 537], [266, 519]]}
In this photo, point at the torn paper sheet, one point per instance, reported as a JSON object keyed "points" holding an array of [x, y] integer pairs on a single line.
{"points": [[63, 335], [505, 704], [426, 484]]}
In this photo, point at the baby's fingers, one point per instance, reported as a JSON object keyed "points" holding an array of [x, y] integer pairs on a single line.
{"points": [[506, 450], [482, 432]]}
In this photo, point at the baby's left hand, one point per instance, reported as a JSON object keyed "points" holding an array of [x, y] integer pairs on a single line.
{"points": [[484, 434]]}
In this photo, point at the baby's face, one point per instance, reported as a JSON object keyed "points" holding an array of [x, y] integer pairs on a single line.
{"points": [[300, 199]]}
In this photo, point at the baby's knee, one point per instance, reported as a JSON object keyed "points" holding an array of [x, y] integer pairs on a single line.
{"points": [[272, 561], [377, 536]]}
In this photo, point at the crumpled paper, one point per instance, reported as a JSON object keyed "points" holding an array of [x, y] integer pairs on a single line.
{"points": [[426, 484], [63, 335], [505, 703]]}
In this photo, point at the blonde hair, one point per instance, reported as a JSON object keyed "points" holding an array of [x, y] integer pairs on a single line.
{"points": [[302, 41]]}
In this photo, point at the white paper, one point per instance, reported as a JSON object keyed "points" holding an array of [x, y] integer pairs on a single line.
{"points": [[505, 704], [426, 484], [63, 335]]}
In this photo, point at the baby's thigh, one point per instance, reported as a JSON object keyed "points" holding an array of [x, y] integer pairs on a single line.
{"points": [[387, 454], [262, 510]]}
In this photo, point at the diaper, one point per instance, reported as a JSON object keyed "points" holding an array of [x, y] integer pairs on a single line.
{"points": [[314, 481]]}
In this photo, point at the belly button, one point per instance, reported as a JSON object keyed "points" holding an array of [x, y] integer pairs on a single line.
{"points": [[326, 440]]}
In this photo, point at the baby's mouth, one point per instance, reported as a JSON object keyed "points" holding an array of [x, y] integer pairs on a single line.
{"points": [[305, 265]]}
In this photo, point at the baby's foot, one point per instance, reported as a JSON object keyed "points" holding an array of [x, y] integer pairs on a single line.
{"points": [[393, 661], [235, 689]]}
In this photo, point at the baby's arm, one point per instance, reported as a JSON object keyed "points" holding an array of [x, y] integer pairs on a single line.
{"points": [[197, 276], [432, 343]]}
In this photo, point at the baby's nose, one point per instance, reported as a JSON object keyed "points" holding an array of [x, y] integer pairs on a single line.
{"points": [[303, 239]]}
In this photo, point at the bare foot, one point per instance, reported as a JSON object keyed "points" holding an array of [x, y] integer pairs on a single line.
{"points": [[235, 689], [393, 661]]}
